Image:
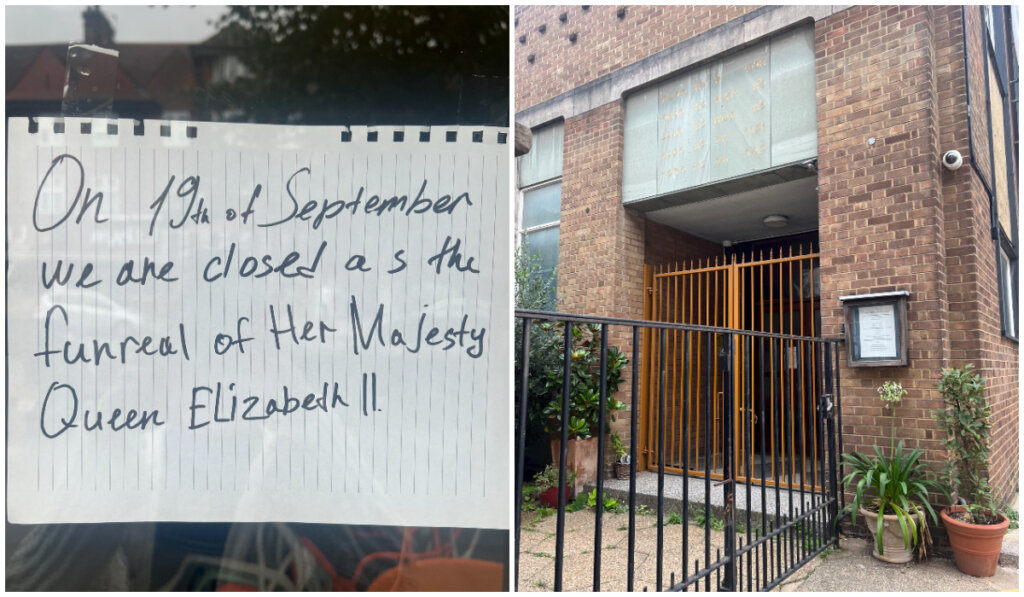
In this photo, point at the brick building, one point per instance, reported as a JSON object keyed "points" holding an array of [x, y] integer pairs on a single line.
{"points": [[684, 137]]}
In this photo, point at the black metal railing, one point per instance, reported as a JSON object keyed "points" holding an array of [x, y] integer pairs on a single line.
{"points": [[773, 519]]}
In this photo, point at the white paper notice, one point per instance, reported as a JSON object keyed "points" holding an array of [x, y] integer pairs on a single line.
{"points": [[877, 326], [220, 322]]}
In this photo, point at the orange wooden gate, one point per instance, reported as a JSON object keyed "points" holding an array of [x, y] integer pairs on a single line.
{"points": [[777, 378]]}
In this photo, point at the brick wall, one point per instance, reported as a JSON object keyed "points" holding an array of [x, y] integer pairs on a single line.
{"points": [[891, 218], [604, 42], [881, 225], [665, 245]]}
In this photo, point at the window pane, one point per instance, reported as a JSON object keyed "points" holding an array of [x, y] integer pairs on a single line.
{"points": [[542, 206], [544, 161], [794, 111], [544, 244], [999, 174], [1008, 302]]}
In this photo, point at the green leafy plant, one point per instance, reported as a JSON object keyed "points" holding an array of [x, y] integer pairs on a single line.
{"points": [[580, 503], [712, 521], [534, 290], [895, 484], [609, 504], [674, 518], [965, 419], [548, 478], [584, 381], [619, 448]]}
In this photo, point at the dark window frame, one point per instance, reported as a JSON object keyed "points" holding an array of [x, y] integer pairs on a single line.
{"points": [[998, 43]]}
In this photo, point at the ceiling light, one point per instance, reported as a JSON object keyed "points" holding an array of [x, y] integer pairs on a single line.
{"points": [[776, 221]]}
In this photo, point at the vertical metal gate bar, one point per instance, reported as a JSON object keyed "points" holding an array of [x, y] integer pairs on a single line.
{"points": [[792, 448], [777, 548], [838, 462], [690, 401], [700, 321], [814, 371], [771, 345], [661, 460], [837, 455], [719, 382], [563, 457], [789, 374], [651, 368], [524, 360], [644, 406], [707, 461], [603, 396], [764, 491], [633, 431], [748, 420], [686, 474], [674, 446], [816, 398], [728, 473]]}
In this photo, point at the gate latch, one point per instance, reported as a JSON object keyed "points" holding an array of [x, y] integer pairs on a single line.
{"points": [[827, 399]]}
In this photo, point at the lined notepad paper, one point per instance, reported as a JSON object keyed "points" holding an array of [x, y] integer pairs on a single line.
{"points": [[223, 322]]}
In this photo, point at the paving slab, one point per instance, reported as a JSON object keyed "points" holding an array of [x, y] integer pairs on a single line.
{"points": [[853, 568]]}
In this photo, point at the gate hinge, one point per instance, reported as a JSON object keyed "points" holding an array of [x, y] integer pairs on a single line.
{"points": [[650, 290]]}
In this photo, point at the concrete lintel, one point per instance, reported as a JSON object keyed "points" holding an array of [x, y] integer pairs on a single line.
{"points": [[611, 87]]}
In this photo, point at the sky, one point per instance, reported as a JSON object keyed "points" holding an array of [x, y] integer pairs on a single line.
{"points": [[153, 24]]}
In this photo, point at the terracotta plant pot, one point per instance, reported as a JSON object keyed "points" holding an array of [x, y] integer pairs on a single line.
{"points": [[892, 538], [975, 546], [582, 460], [549, 497]]}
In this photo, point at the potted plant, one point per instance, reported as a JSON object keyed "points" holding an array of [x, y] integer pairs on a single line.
{"points": [[891, 492], [621, 465], [584, 398], [546, 483], [975, 526]]}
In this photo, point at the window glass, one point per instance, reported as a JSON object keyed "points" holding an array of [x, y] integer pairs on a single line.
{"points": [[742, 113], [544, 244], [542, 205], [1008, 293], [999, 153], [544, 161]]}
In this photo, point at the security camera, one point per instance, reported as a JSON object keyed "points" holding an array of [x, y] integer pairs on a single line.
{"points": [[952, 160]]}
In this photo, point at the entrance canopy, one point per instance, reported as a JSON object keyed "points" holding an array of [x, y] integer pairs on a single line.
{"points": [[740, 216]]}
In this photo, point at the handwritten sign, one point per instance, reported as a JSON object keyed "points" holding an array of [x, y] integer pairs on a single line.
{"points": [[220, 322]]}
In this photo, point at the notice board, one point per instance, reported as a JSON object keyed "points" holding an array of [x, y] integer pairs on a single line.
{"points": [[233, 322]]}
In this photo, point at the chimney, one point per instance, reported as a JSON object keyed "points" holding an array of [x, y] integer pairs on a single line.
{"points": [[97, 28]]}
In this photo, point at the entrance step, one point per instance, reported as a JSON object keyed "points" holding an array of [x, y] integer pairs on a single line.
{"points": [[647, 495]]}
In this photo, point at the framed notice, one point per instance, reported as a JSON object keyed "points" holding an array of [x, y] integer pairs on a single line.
{"points": [[231, 322], [876, 329]]}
